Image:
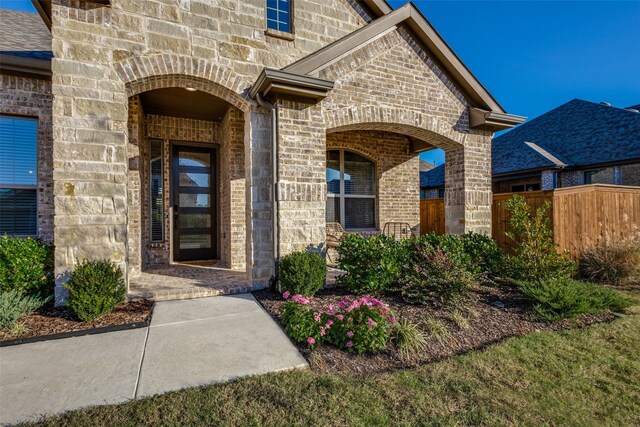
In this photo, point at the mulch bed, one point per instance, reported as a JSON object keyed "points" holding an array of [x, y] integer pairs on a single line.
{"points": [[496, 314], [50, 320]]}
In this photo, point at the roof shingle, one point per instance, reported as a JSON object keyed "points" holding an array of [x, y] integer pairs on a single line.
{"points": [[24, 34]]}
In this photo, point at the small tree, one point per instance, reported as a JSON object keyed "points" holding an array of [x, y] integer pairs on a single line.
{"points": [[535, 256]]}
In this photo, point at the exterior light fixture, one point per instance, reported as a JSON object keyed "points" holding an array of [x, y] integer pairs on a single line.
{"points": [[191, 89]]}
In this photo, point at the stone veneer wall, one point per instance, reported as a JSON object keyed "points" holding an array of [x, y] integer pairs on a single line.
{"points": [[397, 173], [101, 54], [302, 188], [27, 97]]}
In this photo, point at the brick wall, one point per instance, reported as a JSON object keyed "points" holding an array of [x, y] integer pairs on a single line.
{"points": [[27, 97]]}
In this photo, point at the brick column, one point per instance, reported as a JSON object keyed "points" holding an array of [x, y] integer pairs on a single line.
{"points": [[302, 188], [468, 197]]}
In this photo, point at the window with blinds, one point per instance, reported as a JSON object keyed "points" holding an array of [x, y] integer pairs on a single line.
{"points": [[351, 189], [18, 176]]}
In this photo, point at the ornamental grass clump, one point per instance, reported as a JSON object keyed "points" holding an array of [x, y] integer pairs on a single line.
{"points": [[612, 262], [356, 324]]}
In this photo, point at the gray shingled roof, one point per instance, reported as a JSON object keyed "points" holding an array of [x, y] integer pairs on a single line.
{"points": [[578, 134], [24, 34], [633, 107], [433, 178]]}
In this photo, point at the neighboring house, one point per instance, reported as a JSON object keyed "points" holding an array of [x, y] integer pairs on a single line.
{"points": [[577, 143], [156, 132]]}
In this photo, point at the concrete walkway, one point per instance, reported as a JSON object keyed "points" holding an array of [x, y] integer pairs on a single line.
{"points": [[189, 343]]}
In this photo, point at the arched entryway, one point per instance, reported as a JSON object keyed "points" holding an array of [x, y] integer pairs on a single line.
{"points": [[186, 179]]}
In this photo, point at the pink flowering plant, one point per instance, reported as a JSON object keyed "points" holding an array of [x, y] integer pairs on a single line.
{"points": [[357, 324]]}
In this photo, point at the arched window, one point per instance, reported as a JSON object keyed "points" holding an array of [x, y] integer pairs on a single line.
{"points": [[351, 190]]}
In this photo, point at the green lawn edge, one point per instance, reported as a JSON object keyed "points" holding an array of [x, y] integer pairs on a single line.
{"points": [[583, 377]]}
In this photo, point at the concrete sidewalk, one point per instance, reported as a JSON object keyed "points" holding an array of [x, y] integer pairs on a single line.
{"points": [[189, 343]]}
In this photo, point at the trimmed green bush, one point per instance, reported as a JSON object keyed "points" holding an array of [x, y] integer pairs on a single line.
{"points": [[25, 266], [14, 305], [372, 263], [302, 273], [95, 288], [485, 255], [560, 297], [535, 256]]}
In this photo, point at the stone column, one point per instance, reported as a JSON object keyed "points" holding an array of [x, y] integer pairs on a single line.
{"points": [[468, 197], [259, 196], [302, 188], [89, 116]]}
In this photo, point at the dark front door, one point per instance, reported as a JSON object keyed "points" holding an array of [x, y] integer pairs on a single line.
{"points": [[194, 203]]}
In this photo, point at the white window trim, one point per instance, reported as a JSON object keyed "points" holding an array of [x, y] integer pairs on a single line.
{"points": [[342, 196]]}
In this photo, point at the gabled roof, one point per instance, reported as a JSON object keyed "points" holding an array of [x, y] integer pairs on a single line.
{"points": [[411, 17], [576, 134], [25, 44], [433, 178]]}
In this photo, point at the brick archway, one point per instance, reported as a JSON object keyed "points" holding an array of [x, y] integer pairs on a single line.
{"points": [[144, 73], [413, 124]]}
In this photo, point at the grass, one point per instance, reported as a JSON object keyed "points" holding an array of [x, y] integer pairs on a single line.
{"points": [[586, 377]]}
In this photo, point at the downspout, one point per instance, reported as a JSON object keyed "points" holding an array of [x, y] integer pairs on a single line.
{"points": [[275, 177]]}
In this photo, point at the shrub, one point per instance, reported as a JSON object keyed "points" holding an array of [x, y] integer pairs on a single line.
{"points": [[560, 297], [409, 339], [25, 266], [535, 256], [371, 263], [435, 276], [14, 305], [95, 288], [302, 273], [611, 262], [484, 253], [359, 325]]}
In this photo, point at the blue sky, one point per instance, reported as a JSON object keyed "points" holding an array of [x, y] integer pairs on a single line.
{"points": [[545, 52]]}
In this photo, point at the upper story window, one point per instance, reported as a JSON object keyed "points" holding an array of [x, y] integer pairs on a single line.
{"points": [[279, 15], [18, 176], [351, 190]]}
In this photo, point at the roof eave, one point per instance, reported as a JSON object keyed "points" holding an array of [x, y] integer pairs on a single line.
{"points": [[281, 84], [493, 121], [43, 7], [31, 67]]}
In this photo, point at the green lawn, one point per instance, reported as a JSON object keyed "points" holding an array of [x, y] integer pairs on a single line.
{"points": [[578, 378]]}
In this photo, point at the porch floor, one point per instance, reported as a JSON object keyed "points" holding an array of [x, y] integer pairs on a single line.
{"points": [[188, 280]]}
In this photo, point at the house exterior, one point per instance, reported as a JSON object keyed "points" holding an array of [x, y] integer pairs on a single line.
{"points": [[165, 132], [577, 143]]}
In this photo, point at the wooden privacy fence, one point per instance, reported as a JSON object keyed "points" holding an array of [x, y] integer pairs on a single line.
{"points": [[580, 216]]}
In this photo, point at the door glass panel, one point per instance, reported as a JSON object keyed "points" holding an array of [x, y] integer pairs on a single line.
{"points": [[188, 200], [156, 191], [195, 221], [187, 158], [194, 179], [195, 241]]}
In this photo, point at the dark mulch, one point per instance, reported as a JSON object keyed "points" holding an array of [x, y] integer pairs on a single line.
{"points": [[52, 320], [496, 314]]}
